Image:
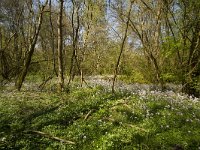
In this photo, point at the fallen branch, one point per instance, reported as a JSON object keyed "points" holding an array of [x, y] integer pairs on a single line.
{"points": [[87, 115], [52, 137]]}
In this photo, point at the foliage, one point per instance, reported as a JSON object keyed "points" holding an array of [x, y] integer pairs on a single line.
{"points": [[134, 77], [160, 46], [94, 118]]}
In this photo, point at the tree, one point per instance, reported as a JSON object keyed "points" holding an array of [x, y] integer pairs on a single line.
{"points": [[11, 18], [122, 48], [60, 47], [183, 29], [190, 22], [31, 48], [75, 38]]}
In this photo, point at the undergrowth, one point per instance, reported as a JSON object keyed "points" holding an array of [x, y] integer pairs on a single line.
{"points": [[94, 118]]}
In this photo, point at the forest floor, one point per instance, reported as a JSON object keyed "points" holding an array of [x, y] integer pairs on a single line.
{"points": [[138, 116]]}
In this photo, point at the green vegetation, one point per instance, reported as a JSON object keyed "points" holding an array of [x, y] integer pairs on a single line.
{"points": [[146, 41], [100, 74], [94, 118]]}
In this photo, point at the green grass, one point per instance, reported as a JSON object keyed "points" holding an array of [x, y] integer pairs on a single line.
{"points": [[97, 120]]}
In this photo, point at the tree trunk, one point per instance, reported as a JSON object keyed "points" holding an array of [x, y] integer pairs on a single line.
{"points": [[193, 69], [23, 74], [60, 49], [52, 40], [121, 50], [157, 71], [75, 44]]}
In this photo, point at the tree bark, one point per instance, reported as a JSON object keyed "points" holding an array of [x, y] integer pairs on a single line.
{"points": [[60, 48], [75, 42], [52, 40]]}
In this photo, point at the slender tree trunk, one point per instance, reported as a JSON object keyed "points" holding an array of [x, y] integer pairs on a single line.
{"points": [[1, 39], [157, 45], [60, 48], [52, 40], [73, 51], [157, 71], [23, 74], [17, 51], [193, 69], [121, 50], [75, 42]]}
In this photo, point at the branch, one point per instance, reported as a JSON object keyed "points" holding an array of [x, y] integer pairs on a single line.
{"points": [[52, 137], [146, 5], [87, 115]]}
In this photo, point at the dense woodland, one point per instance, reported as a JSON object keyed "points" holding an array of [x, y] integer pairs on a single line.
{"points": [[142, 41], [57, 46]]}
